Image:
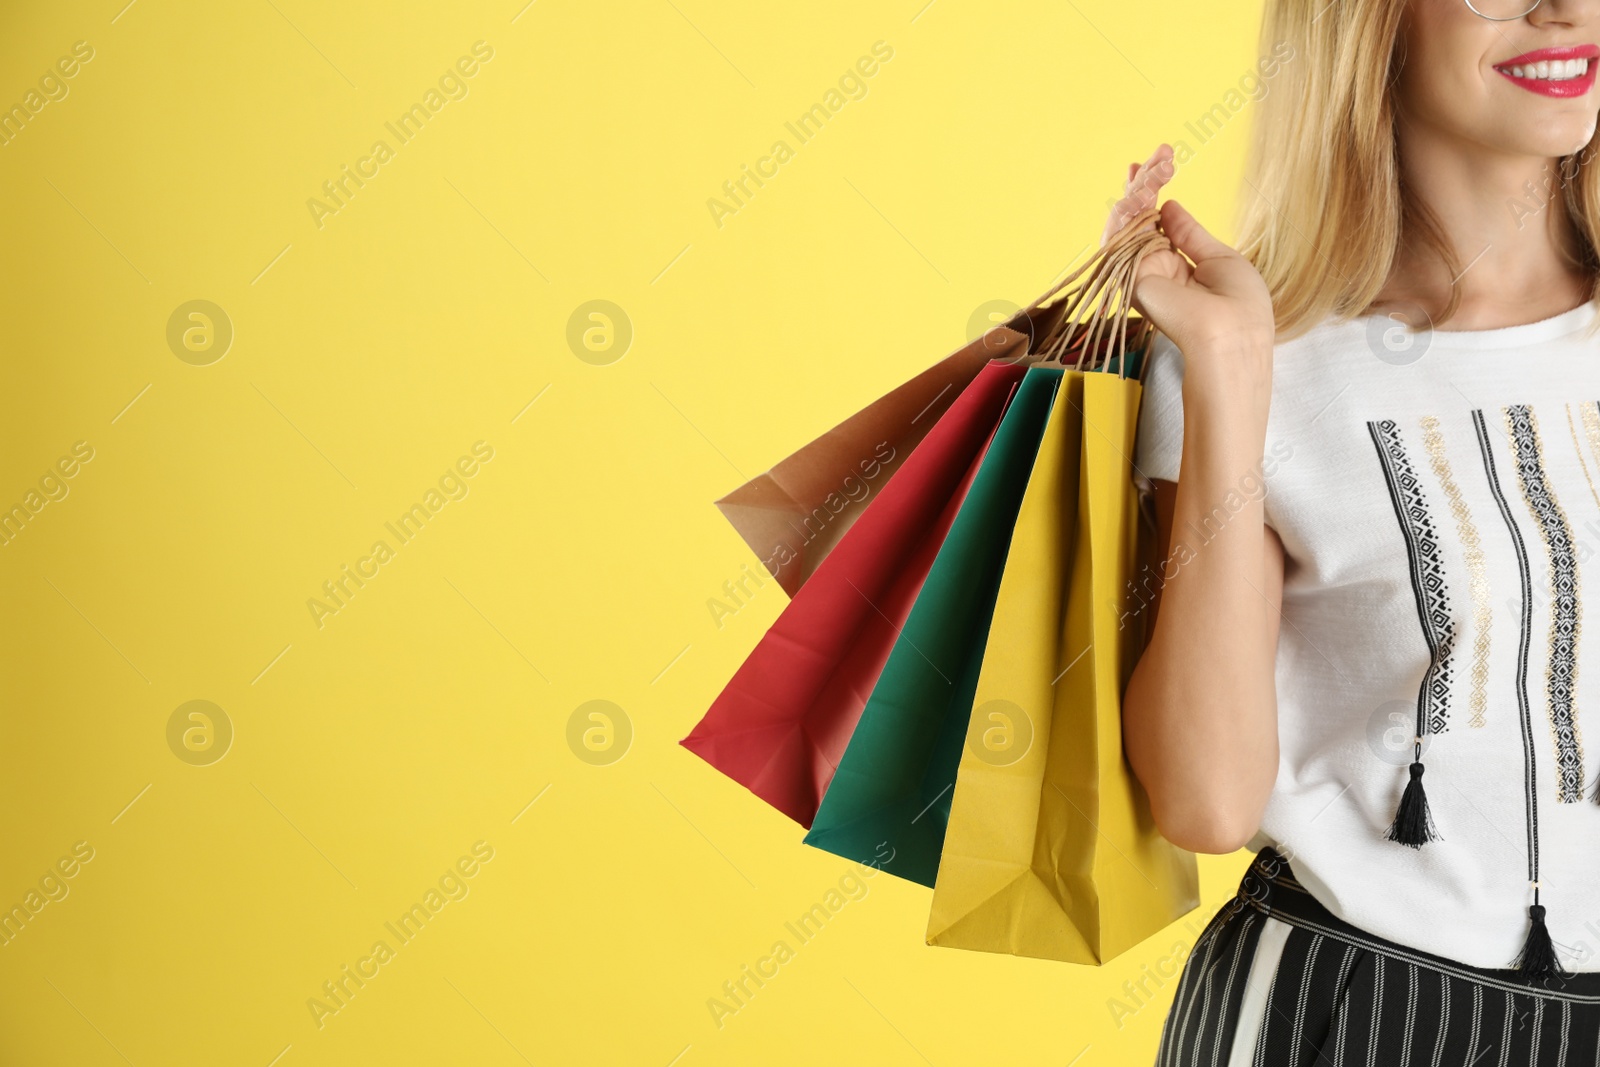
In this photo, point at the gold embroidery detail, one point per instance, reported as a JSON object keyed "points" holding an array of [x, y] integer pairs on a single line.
{"points": [[1591, 429], [1477, 570]]}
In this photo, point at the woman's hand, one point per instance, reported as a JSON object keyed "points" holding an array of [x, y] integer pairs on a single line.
{"points": [[1213, 301]]}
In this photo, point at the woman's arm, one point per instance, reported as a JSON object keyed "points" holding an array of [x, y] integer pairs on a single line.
{"points": [[1207, 757], [1199, 714]]}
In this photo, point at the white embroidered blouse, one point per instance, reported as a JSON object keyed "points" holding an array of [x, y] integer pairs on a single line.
{"points": [[1438, 498]]}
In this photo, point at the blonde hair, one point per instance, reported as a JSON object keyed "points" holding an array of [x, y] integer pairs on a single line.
{"points": [[1324, 207]]}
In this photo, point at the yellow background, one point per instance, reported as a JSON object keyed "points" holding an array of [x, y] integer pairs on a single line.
{"points": [[368, 355]]}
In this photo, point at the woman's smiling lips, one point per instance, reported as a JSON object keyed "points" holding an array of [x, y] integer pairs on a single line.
{"points": [[1563, 72]]}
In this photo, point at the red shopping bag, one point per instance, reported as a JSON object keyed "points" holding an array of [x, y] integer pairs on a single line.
{"points": [[783, 721]]}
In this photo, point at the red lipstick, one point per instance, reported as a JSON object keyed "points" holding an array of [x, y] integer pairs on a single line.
{"points": [[1556, 87]]}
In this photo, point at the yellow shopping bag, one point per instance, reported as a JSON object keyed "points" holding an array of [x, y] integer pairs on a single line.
{"points": [[1051, 850]]}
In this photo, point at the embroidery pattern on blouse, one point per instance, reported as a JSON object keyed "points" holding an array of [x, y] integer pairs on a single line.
{"points": [[1591, 429], [1522, 428], [1427, 574], [1477, 568]]}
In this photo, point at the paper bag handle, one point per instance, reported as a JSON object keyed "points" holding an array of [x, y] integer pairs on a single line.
{"points": [[1098, 309]]}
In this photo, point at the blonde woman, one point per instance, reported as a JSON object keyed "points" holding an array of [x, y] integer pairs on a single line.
{"points": [[1373, 439]]}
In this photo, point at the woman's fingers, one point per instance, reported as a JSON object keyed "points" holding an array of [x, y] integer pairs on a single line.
{"points": [[1150, 178], [1154, 172], [1142, 189], [1189, 237]]}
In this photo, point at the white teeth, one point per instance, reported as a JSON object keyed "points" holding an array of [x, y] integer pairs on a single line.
{"points": [[1560, 70]]}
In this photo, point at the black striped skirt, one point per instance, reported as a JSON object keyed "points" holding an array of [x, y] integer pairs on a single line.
{"points": [[1276, 980]]}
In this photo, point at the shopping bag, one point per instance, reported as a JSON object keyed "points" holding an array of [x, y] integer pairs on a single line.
{"points": [[1051, 850], [782, 722], [793, 515], [890, 797]]}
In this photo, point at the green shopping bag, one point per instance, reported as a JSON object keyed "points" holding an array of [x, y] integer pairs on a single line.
{"points": [[889, 801]]}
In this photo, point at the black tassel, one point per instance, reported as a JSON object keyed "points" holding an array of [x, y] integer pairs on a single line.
{"points": [[1412, 825], [1538, 961]]}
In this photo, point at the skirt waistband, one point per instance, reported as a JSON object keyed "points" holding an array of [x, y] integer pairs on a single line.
{"points": [[1269, 886]]}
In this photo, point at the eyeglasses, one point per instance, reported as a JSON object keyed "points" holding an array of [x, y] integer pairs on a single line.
{"points": [[1502, 10]]}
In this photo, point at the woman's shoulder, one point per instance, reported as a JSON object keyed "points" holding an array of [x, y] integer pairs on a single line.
{"points": [[1328, 345]]}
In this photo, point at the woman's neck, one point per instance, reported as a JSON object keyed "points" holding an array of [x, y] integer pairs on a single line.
{"points": [[1507, 220]]}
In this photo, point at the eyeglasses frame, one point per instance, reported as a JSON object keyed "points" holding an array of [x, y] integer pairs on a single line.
{"points": [[1510, 18]]}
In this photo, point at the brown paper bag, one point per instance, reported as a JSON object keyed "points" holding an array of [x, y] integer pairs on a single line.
{"points": [[794, 514]]}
